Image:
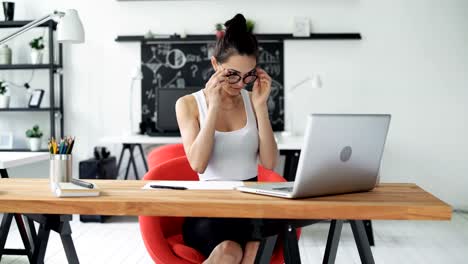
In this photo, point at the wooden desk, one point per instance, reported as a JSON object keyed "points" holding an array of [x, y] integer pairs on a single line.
{"points": [[25, 228], [386, 202]]}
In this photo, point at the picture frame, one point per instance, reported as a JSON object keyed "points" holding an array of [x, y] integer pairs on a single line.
{"points": [[301, 27], [36, 98], [6, 140]]}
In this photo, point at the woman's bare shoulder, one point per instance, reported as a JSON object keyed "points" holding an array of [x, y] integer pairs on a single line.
{"points": [[188, 103]]}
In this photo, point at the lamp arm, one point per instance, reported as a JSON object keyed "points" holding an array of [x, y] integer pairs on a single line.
{"points": [[31, 25], [294, 87]]}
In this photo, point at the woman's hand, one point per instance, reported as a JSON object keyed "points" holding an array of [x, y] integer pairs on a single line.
{"points": [[261, 89], [213, 88]]}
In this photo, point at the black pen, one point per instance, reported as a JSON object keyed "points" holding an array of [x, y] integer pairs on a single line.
{"points": [[168, 187], [83, 183]]}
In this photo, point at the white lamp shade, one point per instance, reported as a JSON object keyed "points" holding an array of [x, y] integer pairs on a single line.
{"points": [[70, 29]]}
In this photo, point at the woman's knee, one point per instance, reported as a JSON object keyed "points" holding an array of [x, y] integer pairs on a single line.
{"points": [[230, 249]]}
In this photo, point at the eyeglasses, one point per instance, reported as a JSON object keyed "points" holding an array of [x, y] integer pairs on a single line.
{"points": [[234, 77]]}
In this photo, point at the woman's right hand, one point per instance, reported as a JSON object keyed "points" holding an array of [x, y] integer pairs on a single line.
{"points": [[213, 88]]}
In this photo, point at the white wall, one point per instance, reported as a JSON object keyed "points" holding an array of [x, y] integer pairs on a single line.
{"points": [[410, 63]]}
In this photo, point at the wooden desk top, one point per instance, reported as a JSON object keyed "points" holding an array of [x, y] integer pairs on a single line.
{"points": [[118, 197]]}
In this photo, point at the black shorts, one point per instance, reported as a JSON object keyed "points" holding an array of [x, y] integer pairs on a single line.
{"points": [[204, 234]]}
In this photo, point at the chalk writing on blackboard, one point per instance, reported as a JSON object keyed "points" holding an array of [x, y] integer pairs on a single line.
{"points": [[184, 67]]}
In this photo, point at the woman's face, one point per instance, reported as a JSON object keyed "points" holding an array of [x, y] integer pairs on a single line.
{"points": [[241, 68]]}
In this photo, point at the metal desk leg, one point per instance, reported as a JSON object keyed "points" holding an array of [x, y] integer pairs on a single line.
{"points": [[27, 232], [59, 224], [332, 242], [67, 242], [131, 160], [369, 231], [265, 250], [41, 244], [4, 173], [121, 158], [362, 241], [143, 156], [4, 228], [290, 163], [291, 247]]}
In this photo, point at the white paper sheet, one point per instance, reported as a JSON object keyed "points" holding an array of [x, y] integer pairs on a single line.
{"points": [[198, 185]]}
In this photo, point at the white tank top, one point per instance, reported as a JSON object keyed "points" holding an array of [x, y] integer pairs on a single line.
{"points": [[235, 153]]}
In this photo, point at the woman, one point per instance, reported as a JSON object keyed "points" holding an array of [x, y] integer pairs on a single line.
{"points": [[225, 130]]}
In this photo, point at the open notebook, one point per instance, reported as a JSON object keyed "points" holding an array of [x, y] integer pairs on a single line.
{"points": [[68, 189]]}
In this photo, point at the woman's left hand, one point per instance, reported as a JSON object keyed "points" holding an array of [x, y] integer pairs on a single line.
{"points": [[261, 89]]}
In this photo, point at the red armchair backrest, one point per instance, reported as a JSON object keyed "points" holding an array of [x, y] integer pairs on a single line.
{"points": [[164, 153]]}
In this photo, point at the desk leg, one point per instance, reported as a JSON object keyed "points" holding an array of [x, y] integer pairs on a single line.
{"points": [[67, 243], [362, 241], [4, 173], [268, 229], [59, 224], [28, 241], [333, 241], [131, 159], [369, 231], [143, 157], [360, 237], [290, 163], [120, 159], [4, 229], [265, 250], [27, 232], [41, 244], [291, 247]]}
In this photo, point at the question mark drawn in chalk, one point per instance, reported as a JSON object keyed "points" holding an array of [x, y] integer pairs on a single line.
{"points": [[194, 69]]}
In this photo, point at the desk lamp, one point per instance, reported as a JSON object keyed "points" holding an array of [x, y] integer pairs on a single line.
{"points": [[69, 27], [315, 82], [137, 75]]}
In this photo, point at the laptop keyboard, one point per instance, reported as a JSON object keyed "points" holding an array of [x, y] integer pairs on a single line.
{"points": [[284, 189]]}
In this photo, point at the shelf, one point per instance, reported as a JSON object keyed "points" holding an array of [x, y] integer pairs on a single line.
{"points": [[22, 150], [190, 38], [25, 109], [28, 66], [52, 68], [20, 23]]}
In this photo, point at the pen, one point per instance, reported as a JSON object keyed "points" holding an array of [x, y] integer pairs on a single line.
{"points": [[168, 187], [71, 146], [83, 183]]}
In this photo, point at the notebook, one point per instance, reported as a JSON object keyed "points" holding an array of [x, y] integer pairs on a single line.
{"points": [[68, 189]]}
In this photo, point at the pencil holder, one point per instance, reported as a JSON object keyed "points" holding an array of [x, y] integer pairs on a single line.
{"points": [[60, 169]]}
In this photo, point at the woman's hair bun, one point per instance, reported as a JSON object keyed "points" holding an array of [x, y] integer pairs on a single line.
{"points": [[236, 40], [236, 26]]}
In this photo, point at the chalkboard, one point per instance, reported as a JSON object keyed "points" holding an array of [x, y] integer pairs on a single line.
{"points": [[172, 69]]}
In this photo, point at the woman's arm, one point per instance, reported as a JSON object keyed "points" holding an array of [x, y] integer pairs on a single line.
{"points": [[268, 149], [198, 143]]}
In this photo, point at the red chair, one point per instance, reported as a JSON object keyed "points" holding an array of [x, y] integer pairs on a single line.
{"points": [[164, 153], [163, 235]]}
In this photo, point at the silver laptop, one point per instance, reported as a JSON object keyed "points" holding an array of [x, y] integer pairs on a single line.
{"points": [[341, 153]]}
